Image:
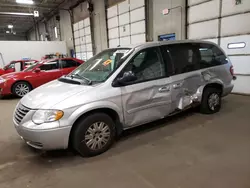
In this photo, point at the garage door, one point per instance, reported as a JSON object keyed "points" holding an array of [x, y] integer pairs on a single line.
{"points": [[126, 23], [225, 22], [82, 39]]}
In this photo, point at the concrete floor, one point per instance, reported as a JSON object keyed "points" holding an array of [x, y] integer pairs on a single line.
{"points": [[189, 150]]}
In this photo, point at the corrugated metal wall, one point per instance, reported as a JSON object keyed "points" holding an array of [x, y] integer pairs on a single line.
{"points": [[82, 32], [225, 22], [126, 23]]}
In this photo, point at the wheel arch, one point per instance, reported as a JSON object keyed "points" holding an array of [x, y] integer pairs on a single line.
{"points": [[106, 110], [20, 81]]}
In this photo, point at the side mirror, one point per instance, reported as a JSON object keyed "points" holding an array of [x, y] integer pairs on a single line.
{"points": [[127, 78], [37, 70]]}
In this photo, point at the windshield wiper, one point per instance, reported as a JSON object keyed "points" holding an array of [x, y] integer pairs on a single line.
{"points": [[81, 77]]}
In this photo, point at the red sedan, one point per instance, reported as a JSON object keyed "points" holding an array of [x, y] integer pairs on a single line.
{"points": [[17, 66], [20, 83]]}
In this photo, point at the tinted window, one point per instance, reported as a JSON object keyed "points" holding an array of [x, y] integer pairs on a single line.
{"points": [[185, 58], [147, 65], [51, 65], [69, 63], [190, 57], [210, 55]]}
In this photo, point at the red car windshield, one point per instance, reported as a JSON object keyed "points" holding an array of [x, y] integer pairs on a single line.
{"points": [[31, 67]]}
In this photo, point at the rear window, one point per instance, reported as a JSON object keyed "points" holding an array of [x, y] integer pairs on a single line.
{"points": [[189, 57]]}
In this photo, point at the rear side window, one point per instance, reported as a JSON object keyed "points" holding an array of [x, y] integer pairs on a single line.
{"points": [[194, 56], [211, 56]]}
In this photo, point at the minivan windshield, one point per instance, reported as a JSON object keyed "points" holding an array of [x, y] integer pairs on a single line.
{"points": [[102, 65]]}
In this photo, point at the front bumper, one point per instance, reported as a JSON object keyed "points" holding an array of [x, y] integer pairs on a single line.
{"points": [[50, 139]]}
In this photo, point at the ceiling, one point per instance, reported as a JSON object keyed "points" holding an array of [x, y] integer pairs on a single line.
{"points": [[23, 23]]}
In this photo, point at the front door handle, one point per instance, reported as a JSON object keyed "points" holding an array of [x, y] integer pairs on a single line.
{"points": [[178, 85], [164, 89]]}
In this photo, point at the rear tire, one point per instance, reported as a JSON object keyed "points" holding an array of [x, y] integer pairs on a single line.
{"points": [[21, 88], [93, 134], [211, 101]]}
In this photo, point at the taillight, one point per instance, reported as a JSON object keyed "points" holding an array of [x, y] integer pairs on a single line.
{"points": [[232, 70]]}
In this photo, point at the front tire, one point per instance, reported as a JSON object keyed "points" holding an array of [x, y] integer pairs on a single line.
{"points": [[93, 134], [21, 88], [211, 101]]}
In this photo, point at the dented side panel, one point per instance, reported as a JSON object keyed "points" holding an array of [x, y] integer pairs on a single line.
{"points": [[145, 102]]}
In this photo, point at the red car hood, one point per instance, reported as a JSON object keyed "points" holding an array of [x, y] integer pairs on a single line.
{"points": [[15, 74]]}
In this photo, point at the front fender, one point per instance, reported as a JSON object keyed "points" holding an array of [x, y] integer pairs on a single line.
{"points": [[95, 106]]}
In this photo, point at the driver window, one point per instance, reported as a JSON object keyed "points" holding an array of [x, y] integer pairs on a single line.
{"points": [[51, 65], [147, 65]]}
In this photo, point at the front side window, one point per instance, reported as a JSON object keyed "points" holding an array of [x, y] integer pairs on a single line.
{"points": [[102, 65], [50, 65], [147, 65]]}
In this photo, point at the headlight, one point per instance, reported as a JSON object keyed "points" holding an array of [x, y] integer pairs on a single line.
{"points": [[46, 116]]}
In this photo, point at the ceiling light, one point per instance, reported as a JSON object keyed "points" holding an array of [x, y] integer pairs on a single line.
{"points": [[56, 32], [10, 26], [30, 2], [17, 13], [7, 31]]}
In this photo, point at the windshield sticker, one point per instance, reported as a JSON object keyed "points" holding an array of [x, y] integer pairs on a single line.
{"points": [[105, 63]]}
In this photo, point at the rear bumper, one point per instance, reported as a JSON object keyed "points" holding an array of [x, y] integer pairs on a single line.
{"points": [[227, 89]]}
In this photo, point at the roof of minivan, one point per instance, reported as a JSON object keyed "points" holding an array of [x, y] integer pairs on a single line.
{"points": [[156, 43]]}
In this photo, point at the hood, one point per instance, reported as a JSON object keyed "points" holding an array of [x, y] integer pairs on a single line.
{"points": [[48, 95], [13, 75]]}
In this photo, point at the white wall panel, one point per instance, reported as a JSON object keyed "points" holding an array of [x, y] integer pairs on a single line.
{"points": [[138, 27], [113, 22], [76, 26], [194, 2], [208, 29], [234, 25], [123, 7], [113, 33], [89, 55], [86, 22], [124, 19], [229, 7], [78, 49], [77, 41], [136, 4], [137, 39], [80, 24], [82, 32], [76, 34], [88, 39], [112, 11], [241, 85], [124, 30], [113, 43], [89, 47], [137, 14], [209, 10], [241, 64], [78, 55], [236, 39], [82, 40], [87, 30], [83, 56], [125, 41], [83, 48]]}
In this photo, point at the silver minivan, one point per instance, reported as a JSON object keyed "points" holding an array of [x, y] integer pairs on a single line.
{"points": [[121, 88]]}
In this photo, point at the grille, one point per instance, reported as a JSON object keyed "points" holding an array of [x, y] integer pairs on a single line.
{"points": [[20, 112]]}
